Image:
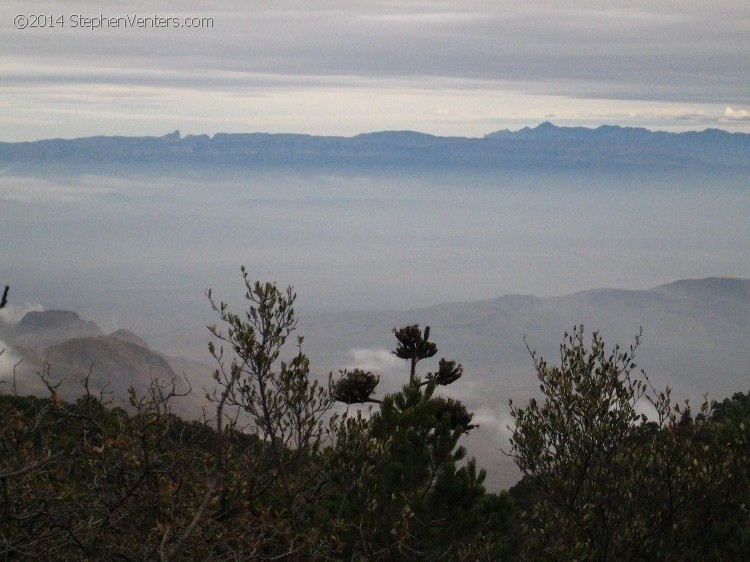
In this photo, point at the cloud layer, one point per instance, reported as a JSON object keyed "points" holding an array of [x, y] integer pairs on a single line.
{"points": [[439, 66]]}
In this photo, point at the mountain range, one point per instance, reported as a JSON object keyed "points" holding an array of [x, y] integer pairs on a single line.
{"points": [[543, 147], [694, 339], [67, 349]]}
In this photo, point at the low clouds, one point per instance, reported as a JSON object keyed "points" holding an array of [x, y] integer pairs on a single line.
{"points": [[379, 361], [13, 313], [37, 190], [736, 114], [494, 422], [7, 362]]}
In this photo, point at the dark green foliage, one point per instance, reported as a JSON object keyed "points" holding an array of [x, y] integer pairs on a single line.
{"points": [[454, 411], [274, 475], [448, 372], [284, 407], [413, 345], [84, 481], [733, 410], [604, 483], [413, 494], [355, 386]]}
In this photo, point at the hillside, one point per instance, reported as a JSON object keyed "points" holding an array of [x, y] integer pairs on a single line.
{"points": [[76, 349], [703, 323]]}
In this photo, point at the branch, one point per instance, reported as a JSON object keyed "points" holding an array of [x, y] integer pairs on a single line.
{"points": [[211, 486], [30, 467]]}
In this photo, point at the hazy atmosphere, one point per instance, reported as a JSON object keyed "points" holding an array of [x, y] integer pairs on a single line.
{"points": [[136, 246], [480, 178], [139, 253]]}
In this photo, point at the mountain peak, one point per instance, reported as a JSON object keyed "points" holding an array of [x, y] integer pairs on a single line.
{"points": [[39, 330], [724, 287], [129, 337], [49, 319]]}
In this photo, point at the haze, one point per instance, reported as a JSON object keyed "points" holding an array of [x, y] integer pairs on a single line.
{"points": [[139, 252]]}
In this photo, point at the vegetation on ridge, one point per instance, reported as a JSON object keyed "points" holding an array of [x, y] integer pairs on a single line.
{"points": [[612, 469]]}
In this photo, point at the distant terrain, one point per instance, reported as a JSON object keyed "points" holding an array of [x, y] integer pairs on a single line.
{"points": [[130, 231], [543, 147], [75, 349], [695, 339], [140, 227]]}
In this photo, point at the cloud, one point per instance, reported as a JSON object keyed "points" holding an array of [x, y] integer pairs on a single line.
{"points": [[693, 118], [647, 408], [494, 423], [35, 190], [7, 361], [327, 69], [736, 114], [12, 313], [380, 361], [424, 18]]}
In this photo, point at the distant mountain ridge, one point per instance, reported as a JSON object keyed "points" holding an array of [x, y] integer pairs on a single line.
{"points": [[544, 146], [695, 339], [708, 320], [695, 332]]}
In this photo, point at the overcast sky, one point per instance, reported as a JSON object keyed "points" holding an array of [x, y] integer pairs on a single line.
{"points": [[341, 68]]}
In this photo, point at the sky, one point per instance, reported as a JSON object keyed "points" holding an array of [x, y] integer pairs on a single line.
{"points": [[342, 68]]}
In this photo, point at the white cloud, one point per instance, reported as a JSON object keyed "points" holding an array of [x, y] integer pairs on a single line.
{"points": [[736, 114], [380, 361], [493, 423], [327, 69], [12, 313], [7, 361], [425, 18], [645, 407], [34, 190]]}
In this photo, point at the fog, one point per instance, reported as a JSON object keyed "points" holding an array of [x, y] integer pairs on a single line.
{"points": [[139, 252]]}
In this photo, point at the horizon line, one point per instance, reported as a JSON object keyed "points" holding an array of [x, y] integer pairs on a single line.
{"points": [[542, 124]]}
